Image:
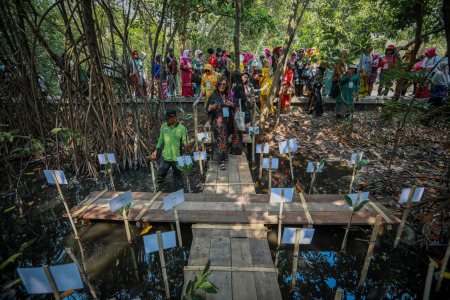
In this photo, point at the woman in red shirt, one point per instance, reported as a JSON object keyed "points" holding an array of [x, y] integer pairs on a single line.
{"points": [[288, 83]]}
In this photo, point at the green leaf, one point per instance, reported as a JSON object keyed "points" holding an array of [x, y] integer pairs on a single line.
{"points": [[363, 162], [197, 297], [104, 171], [9, 260], [55, 130], [24, 245], [360, 205], [208, 287], [348, 200], [208, 264], [189, 288]]}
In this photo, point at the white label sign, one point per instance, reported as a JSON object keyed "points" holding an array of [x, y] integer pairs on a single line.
{"points": [[283, 147], [259, 147], [66, 278], [293, 145], [266, 163], [196, 156], [180, 160], [306, 236], [417, 195], [319, 168], [151, 241], [202, 135], [120, 201], [58, 174], [353, 159], [253, 129], [173, 199], [364, 197], [110, 156], [275, 195]]}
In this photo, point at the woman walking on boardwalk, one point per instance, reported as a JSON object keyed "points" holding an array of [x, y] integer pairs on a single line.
{"points": [[187, 66]]}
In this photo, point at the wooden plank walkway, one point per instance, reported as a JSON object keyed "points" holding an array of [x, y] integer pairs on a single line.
{"points": [[236, 179], [236, 209], [241, 263]]}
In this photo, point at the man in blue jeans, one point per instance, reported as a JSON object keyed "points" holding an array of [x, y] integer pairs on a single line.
{"points": [[173, 136]]}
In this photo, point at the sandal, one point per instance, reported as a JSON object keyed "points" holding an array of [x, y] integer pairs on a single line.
{"points": [[222, 166]]}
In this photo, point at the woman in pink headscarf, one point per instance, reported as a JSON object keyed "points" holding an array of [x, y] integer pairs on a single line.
{"points": [[186, 66], [268, 56]]}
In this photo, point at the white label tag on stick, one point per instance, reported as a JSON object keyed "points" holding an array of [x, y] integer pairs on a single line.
{"points": [[306, 236], [202, 135], [310, 168], [226, 112], [196, 156], [266, 163], [58, 174], [34, 280], [283, 147], [417, 195], [180, 160], [120, 201], [151, 241], [275, 195], [173, 199], [293, 145], [364, 197], [353, 159], [253, 129], [110, 156], [67, 277], [350, 84], [265, 150]]}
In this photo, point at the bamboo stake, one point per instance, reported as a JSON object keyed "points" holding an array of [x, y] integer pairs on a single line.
{"points": [[338, 295], [110, 173], [82, 272], [294, 265], [196, 137], [312, 180], [135, 266], [270, 175], [163, 264], [261, 157], [152, 169], [280, 217], [373, 239], [344, 242], [253, 136], [405, 216], [444, 266], [52, 282], [354, 171], [428, 282], [290, 161], [65, 205], [177, 223]]}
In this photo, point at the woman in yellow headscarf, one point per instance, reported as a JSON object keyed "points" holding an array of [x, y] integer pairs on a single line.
{"points": [[265, 82], [209, 79]]}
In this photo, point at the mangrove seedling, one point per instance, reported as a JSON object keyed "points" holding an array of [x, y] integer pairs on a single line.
{"points": [[186, 169], [200, 282], [357, 166], [355, 208]]}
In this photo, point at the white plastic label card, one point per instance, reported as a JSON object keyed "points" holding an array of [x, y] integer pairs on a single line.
{"points": [[110, 156], [226, 112], [67, 277], [196, 156], [173, 199], [353, 159], [310, 168], [364, 197], [253, 130], [186, 158], [266, 163], [385, 66], [259, 147], [417, 195], [350, 84], [208, 85], [293, 145], [275, 195], [120, 201], [306, 236], [151, 241], [283, 147], [34, 280], [58, 174], [202, 135]]}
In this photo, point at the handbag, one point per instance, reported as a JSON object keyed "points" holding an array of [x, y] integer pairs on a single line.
{"points": [[239, 117]]}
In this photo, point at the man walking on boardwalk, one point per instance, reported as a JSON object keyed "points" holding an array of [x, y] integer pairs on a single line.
{"points": [[173, 136]]}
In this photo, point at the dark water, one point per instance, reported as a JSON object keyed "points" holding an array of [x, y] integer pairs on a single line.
{"points": [[110, 261]]}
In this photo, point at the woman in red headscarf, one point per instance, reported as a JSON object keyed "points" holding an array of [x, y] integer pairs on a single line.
{"points": [[287, 88]]}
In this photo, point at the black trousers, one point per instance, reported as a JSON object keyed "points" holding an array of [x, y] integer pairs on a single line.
{"points": [[164, 167]]}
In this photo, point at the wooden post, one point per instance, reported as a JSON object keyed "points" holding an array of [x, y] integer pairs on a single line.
{"points": [[187, 177], [163, 264], [82, 273], [344, 242], [135, 266], [110, 173], [405, 216], [177, 223], [428, 282], [444, 266], [294, 265], [52, 282], [261, 157], [280, 218], [290, 161], [65, 205], [152, 169], [253, 136], [338, 295], [373, 239], [196, 137], [270, 175], [354, 171], [312, 179], [127, 225]]}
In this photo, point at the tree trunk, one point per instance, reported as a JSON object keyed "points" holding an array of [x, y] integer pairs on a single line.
{"points": [[446, 14], [236, 36]]}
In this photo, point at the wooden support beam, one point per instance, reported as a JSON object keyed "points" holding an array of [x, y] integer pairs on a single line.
{"points": [[78, 212], [232, 269], [147, 206]]}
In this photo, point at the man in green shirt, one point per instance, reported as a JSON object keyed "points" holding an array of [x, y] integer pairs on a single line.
{"points": [[173, 136]]}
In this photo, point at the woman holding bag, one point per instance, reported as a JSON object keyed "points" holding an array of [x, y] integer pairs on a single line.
{"points": [[240, 102]]}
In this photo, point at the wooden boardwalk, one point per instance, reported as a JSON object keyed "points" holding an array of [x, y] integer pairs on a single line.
{"points": [[241, 263]]}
